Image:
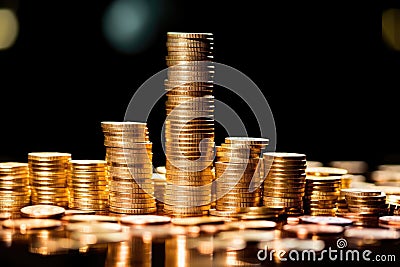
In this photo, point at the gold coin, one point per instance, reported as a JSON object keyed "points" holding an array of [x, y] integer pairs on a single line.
{"points": [[42, 211], [6, 167], [247, 140], [184, 43], [48, 156], [325, 171]]}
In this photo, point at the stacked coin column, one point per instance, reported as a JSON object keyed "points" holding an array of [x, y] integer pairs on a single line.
{"points": [[159, 191], [14, 186], [88, 185], [129, 159], [189, 124], [284, 183], [48, 174], [237, 174], [323, 196], [365, 206]]}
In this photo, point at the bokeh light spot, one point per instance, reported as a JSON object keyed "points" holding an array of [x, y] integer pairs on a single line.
{"points": [[129, 25], [391, 28], [8, 28]]}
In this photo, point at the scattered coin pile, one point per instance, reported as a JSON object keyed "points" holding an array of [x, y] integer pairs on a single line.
{"points": [[284, 181], [48, 173], [129, 159], [237, 173], [88, 185], [365, 206], [14, 186], [189, 126]]}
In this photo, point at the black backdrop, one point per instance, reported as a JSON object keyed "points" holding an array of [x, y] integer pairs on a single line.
{"points": [[328, 77]]}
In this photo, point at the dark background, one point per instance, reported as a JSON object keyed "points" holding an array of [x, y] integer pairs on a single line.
{"points": [[329, 78]]}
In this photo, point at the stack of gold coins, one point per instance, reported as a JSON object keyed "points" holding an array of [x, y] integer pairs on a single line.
{"points": [[237, 173], [392, 222], [88, 185], [321, 196], [365, 206], [351, 166], [392, 198], [48, 174], [14, 186], [332, 171], [284, 181], [159, 190], [386, 175], [313, 163], [345, 182], [189, 126], [129, 159], [214, 185]]}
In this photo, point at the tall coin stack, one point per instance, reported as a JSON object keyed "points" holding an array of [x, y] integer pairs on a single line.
{"points": [[237, 173], [129, 159], [323, 195], [365, 206], [48, 173], [88, 185], [284, 183], [189, 126], [14, 186]]}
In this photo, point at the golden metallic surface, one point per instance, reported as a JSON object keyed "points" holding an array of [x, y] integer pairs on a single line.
{"points": [[129, 156], [42, 211], [49, 173]]}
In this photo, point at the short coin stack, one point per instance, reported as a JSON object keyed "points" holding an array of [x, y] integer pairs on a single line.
{"points": [[48, 173], [346, 180], [237, 173], [345, 183], [14, 186], [365, 206], [321, 196], [393, 202], [284, 181], [189, 126], [129, 159], [392, 222], [88, 185], [323, 186]]}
